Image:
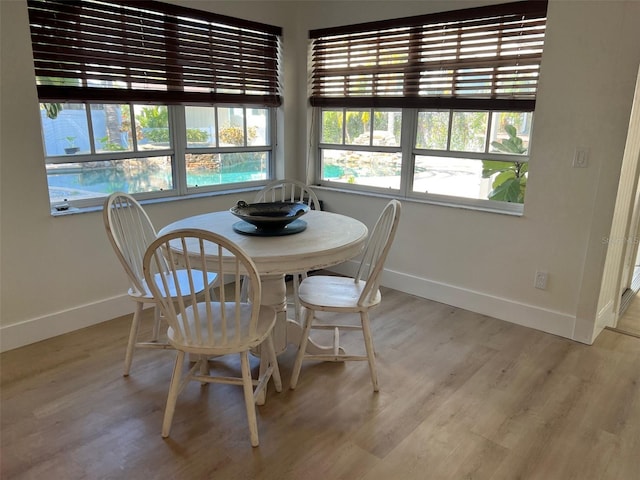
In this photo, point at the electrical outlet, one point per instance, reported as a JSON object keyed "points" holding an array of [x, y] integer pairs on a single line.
{"points": [[581, 158], [540, 281]]}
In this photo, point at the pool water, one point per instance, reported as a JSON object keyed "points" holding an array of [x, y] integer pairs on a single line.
{"points": [[102, 182]]}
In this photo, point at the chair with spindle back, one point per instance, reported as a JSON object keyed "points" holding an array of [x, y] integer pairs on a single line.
{"points": [[212, 327], [357, 294], [130, 232]]}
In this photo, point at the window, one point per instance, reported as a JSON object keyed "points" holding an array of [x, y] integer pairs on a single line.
{"points": [[438, 106], [361, 146], [92, 150], [152, 99], [472, 154]]}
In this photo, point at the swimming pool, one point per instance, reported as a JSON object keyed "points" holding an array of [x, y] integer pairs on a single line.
{"points": [[98, 183]]}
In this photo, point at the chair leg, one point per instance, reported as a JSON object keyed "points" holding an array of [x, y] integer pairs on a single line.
{"points": [[297, 366], [261, 398], [133, 336], [172, 397], [296, 300], [268, 359], [273, 359], [204, 367], [297, 278], [368, 343], [247, 385]]}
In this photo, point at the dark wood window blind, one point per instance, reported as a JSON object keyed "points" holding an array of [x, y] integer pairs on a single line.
{"points": [[147, 51], [485, 58]]}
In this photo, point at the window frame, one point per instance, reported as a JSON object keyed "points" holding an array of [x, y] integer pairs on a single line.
{"points": [[177, 152], [409, 151], [269, 149]]}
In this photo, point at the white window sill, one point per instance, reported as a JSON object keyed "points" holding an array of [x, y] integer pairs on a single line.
{"points": [[74, 210]]}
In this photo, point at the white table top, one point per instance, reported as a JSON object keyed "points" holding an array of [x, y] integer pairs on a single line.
{"points": [[329, 239]]}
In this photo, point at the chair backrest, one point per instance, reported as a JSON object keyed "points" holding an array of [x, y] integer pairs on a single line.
{"points": [[203, 319], [288, 191], [130, 232], [376, 251]]}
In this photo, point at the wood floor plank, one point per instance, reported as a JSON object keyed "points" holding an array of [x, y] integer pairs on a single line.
{"points": [[462, 396]]}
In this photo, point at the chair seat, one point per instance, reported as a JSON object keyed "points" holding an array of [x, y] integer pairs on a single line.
{"points": [[322, 292], [183, 281], [213, 342]]}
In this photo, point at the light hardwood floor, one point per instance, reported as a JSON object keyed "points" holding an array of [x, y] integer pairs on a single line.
{"points": [[462, 396]]}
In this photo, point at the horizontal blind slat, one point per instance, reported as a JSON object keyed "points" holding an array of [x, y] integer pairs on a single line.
{"points": [[522, 9], [48, 93], [148, 12], [72, 56], [152, 45], [487, 52]]}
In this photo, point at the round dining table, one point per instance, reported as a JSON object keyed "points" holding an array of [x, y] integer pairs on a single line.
{"points": [[329, 239]]}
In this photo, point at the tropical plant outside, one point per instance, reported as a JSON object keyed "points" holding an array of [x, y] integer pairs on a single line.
{"points": [[51, 109], [231, 135], [510, 182]]}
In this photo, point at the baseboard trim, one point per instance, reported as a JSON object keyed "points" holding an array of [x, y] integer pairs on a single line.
{"points": [[40, 328], [550, 321], [557, 323], [605, 318]]}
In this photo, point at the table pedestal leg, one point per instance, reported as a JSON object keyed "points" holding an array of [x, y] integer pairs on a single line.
{"points": [[274, 294]]}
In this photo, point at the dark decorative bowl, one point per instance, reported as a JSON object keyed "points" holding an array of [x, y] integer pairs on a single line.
{"points": [[269, 216]]}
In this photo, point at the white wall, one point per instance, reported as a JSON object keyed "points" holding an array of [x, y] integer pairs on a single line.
{"points": [[60, 273], [486, 262]]}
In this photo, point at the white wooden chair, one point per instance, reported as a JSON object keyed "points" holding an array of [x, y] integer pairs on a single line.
{"points": [[349, 295], [130, 232], [212, 327], [289, 190]]}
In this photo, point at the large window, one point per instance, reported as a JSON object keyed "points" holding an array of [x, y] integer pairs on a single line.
{"points": [[480, 155], [152, 99], [91, 149], [438, 106]]}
